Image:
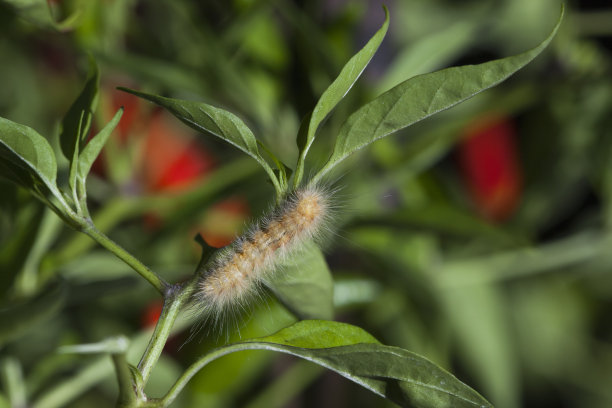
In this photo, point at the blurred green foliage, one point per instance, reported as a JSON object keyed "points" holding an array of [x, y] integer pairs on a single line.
{"points": [[518, 308]]}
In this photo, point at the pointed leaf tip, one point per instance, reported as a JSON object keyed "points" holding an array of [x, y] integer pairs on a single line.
{"points": [[74, 130], [26, 157], [422, 96], [336, 91], [209, 119]]}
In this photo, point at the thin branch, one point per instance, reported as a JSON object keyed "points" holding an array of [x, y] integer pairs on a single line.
{"points": [[174, 300], [154, 279]]}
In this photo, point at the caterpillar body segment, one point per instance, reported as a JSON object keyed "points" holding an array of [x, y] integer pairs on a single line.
{"points": [[235, 278]]}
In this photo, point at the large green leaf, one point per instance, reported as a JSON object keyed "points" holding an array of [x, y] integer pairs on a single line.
{"points": [[391, 372], [26, 158], [77, 121], [210, 119], [420, 97], [16, 320], [305, 285], [335, 92]]}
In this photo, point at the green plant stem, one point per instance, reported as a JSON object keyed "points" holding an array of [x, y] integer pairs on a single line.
{"points": [[194, 368], [62, 393], [120, 208], [174, 300], [127, 393], [154, 279], [277, 187], [188, 375], [113, 212]]}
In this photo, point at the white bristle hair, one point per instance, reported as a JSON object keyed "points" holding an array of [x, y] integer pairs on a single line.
{"points": [[234, 279]]}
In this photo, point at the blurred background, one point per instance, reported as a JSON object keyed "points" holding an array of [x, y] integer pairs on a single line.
{"points": [[479, 238]]}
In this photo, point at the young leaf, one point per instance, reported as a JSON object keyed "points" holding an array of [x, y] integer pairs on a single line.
{"points": [[26, 158], [74, 161], [306, 287], [210, 119], [76, 123], [420, 97], [391, 372], [335, 92], [95, 145]]}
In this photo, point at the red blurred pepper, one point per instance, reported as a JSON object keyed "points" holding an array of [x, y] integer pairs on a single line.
{"points": [[151, 314], [224, 221], [172, 160], [490, 166], [148, 320]]}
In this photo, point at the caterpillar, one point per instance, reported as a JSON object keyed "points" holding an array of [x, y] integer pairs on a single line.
{"points": [[234, 278]]}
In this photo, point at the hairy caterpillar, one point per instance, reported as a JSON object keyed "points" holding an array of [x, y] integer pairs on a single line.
{"points": [[234, 278]]}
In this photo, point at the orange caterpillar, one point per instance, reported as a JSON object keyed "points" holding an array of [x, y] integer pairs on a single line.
{"points": [[233, 279]]}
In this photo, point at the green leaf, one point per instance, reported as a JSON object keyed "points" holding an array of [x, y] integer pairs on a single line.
{"points": [[420, 97], [391, 372], [77, 121], [478, 316], [397, 374], [305, 285], [95, 145], [318, 334], [218, 122], [16, 320], [335, 92], [26, 158]]}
